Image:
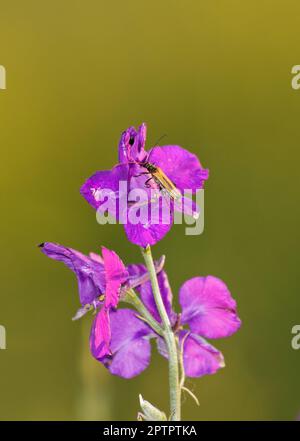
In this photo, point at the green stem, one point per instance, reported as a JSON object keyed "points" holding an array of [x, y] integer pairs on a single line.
{"points": [[132, 298], [169, 337]]}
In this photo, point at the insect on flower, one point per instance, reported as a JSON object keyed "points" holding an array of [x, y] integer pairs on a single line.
{"points": [[161, 179], [169, 170], [166, 186]]}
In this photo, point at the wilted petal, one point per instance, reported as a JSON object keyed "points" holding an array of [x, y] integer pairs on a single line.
{"points": [[81, 312], [115, 275], [100, 335], [181, 166], [150, 412], [96, 257], [199, 357], [130, 346], [90, 274], [138, 274], [208, 308], [67, 255]]}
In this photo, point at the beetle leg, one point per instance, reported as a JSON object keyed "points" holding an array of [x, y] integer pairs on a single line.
{"points": [[141, 174], [146, 182]]}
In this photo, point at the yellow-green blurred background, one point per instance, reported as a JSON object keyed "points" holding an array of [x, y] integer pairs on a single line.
{"points": [[215, 76]]}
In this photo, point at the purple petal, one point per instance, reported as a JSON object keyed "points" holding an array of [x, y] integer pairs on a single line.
{"points": [[147, 297], [143, 235], [148, 221], [115, 275], [199, 357], [132, 143], [130, 346], [90, 274], [136, 270], [162, 347], [181, 167], [138, 274], [208, 308], [100, 335], [106, 187]]}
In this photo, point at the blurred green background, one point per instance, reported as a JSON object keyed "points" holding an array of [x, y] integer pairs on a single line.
{"points": [[215, 77]]}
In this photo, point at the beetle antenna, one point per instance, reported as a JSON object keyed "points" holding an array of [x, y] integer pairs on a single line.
{"points": [[159, 139], [155, 145]]}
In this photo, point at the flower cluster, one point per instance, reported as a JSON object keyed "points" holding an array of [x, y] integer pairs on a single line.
{"points": [[120, 338]]}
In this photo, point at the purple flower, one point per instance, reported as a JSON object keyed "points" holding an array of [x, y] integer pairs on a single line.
{"points": [[208, 311], [101, 282], [180, 169]]}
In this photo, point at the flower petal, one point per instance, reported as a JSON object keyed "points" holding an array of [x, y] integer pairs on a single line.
{"points": [[130, 346], [181, 167], [106, 188], [162, 347], [143, 235], [132, 143], [208, 308], [199, 357], [115, 275], [148, 220], [100, 335], [147, 297], [138, 274], [90, 274]]}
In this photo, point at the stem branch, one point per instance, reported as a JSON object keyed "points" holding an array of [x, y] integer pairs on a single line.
{"points": [[132, 298]]}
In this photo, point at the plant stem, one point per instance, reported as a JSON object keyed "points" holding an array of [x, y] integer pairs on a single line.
{"points": [[169, 337], [132, 298]]}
